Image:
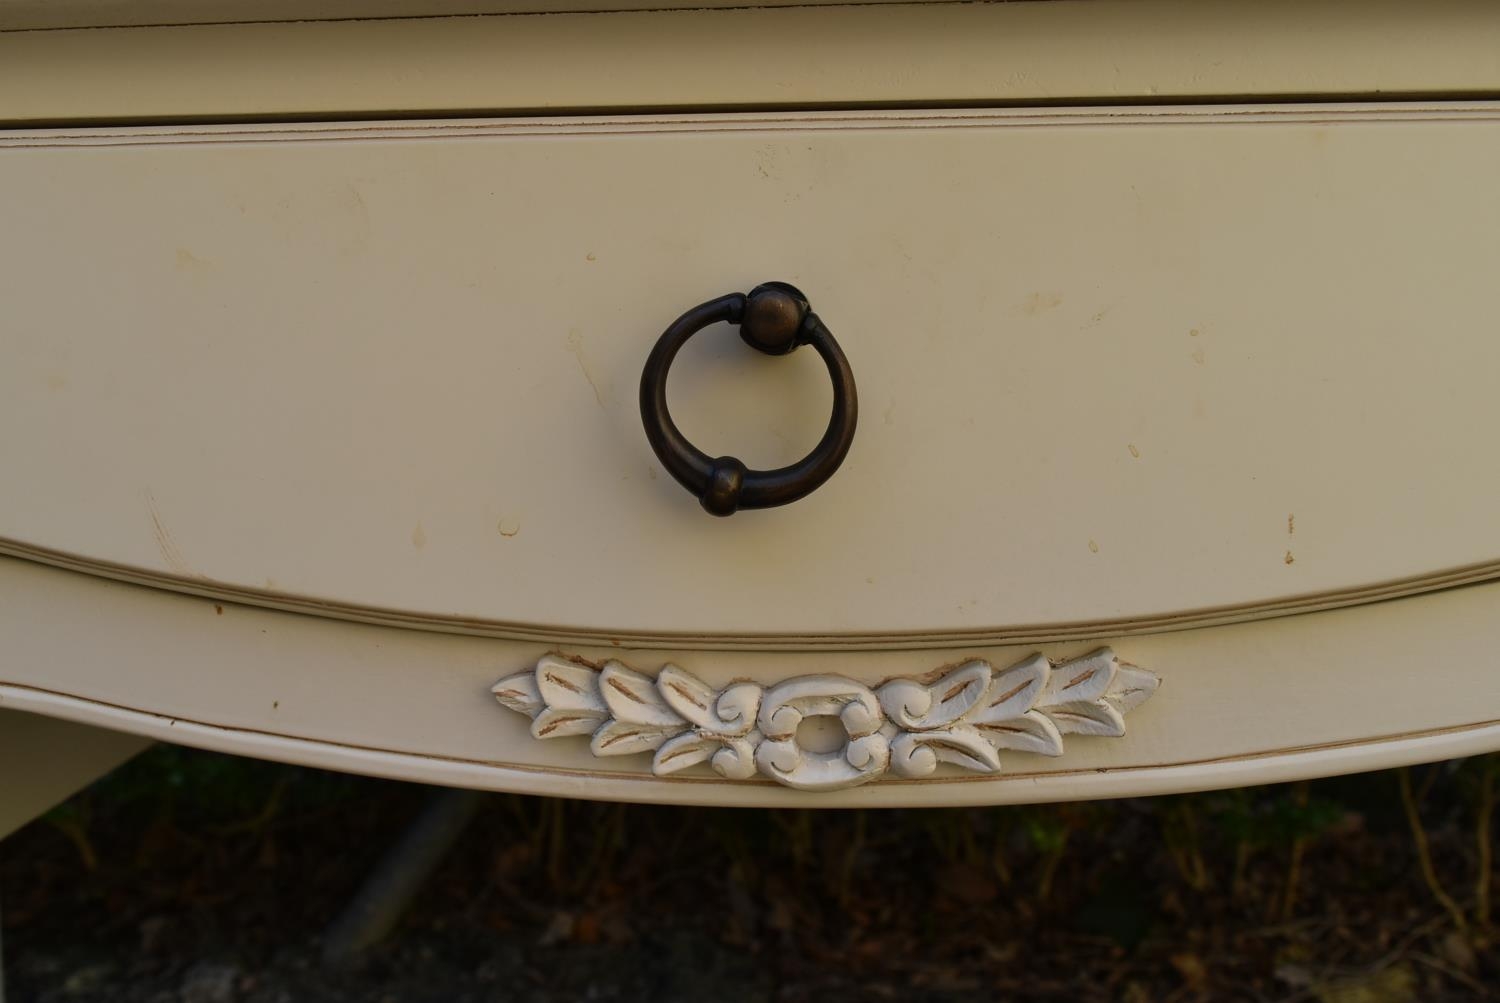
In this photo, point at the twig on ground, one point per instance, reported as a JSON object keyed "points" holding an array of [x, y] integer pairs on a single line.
{"points": [[1482, 837], [1424, 852], [1300, 795], [1049, 867], [399, 876], [76, 831], [257, 822], [1380, 964], [1437, 964]]}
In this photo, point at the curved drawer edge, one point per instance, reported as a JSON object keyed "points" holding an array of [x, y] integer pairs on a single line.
{"points": [[1378, 753], [1320, 694], [1030, 634]]}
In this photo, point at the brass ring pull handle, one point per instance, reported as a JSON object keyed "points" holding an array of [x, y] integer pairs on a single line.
{"points": [[774, 318]]}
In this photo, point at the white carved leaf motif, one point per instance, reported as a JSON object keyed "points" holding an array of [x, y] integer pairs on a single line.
{"points": [[917, 753], [910, 704], [640, 719], [1008, 719], [731, 758], [907, 727], [730, 711]]}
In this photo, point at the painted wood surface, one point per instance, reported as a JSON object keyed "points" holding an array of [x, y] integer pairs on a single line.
{"points": [[45, 759], [30, 15], [1117, 367], [1324, 693], [795, 57]]}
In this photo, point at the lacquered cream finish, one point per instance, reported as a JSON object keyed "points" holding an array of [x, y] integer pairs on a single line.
{"points": [[794, 57], [1311, 695], [36, 14], [1114, 365], [44, 759]]}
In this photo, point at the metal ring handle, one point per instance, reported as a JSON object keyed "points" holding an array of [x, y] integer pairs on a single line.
{"points": [[774, 318]]}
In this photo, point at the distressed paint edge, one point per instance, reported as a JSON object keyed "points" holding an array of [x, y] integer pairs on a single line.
{"points": [[955, 53], [1265, 767], [560, 635], [790, 120]]}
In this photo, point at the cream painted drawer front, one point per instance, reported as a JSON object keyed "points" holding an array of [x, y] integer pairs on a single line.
{"points": [[1117, 369]]}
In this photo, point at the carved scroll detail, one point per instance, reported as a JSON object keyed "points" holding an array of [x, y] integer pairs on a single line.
{"points": [[905, 727]]}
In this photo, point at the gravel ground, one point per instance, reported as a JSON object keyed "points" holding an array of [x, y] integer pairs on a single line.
{"points": [[188, 877]]}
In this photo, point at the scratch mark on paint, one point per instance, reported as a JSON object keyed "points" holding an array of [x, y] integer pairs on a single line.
{"points": [[575, 345], [164, 542]]}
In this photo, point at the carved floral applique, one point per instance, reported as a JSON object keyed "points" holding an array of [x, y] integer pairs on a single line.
{"points": [[905, 727]]}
